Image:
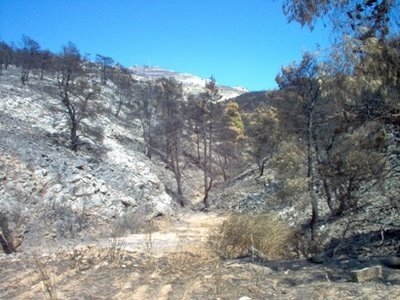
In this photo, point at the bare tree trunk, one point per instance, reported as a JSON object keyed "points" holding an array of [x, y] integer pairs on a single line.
{"points": [[74, 122], [178, 177], [74, 135], [325, 183], [25, 76], [175, 153], [310, 175], [205, 168], [207, 149], [42, 67], [261, 167], [119, 107], [198, 146]]}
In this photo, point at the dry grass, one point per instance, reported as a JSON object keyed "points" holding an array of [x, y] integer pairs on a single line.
{"points": [[189, 257], [241, 232], [45, 276], [114, 254]]}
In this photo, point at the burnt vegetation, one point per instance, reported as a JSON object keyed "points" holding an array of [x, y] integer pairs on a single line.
{"points": [[329, 133]]}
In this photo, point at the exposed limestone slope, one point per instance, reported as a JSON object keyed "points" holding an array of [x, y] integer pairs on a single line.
{"points": [[53, 191]]}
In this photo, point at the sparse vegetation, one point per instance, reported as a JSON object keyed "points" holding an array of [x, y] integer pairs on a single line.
{"points": [[133, 221], [46, 277], [114, 253], [240, 233]]}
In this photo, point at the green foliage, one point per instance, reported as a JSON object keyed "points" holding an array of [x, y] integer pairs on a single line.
{"points": [[263, 128], [289, 164], [239, 232], [358, 18], [234, 119]]}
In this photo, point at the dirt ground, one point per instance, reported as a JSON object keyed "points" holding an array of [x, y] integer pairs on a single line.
{"points": [[175, 262]]}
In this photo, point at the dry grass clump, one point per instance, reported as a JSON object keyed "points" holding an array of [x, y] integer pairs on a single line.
{"points": [[241, 232], [46, 277], [114, 254]]}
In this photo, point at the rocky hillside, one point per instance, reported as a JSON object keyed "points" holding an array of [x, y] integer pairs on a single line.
{"points": [[50, 191]]}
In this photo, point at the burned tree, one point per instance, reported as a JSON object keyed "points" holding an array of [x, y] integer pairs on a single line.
{"points": [[170, 128], [74, 89]]}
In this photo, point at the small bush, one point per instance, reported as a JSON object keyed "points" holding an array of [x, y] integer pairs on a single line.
{"points": [[239, 232], [132, 221]]}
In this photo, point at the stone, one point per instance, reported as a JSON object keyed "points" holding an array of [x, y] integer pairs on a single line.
{"points": [[366, 274], [96, 200], [57, 188], [85, 190], [128, 202], [103, 189], [260, 269], [162, 205]]}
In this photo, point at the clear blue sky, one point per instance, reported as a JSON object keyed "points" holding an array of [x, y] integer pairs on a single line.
{"points": [[241, 43]]}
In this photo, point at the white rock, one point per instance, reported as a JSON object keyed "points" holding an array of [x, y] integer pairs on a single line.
{"points": [[162, 205], [103, 189], [128, 202], [57, 188], [85, 190]]}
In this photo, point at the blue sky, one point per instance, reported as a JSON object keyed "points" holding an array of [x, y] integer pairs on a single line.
{"points": [[240, 43]]}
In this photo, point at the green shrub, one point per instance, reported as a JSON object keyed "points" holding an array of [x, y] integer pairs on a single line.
{"points": [[239, 232]]}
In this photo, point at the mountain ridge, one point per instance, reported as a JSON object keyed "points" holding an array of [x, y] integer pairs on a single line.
{"points": [[192, 84]]}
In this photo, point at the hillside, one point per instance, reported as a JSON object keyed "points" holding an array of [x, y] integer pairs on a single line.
{"points": [[57, 193], [50, 193], [104, 221]]}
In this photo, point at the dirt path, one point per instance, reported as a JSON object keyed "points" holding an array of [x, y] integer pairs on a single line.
{"points": [[188, 230], [175, 263]]}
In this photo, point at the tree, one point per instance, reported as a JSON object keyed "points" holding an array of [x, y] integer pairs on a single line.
{"points": [[148, 101], [207, 109], [193, 113], [348, 140], [45, 61], [303, 80], [105, 63], [29, 57], [263, 130], [6, 54], [229, 132], [75, 89], [360, 19], [124, 82], [170, 97]]}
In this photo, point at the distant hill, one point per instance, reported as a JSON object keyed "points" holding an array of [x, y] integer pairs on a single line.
{"points": [[192, 84]]}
